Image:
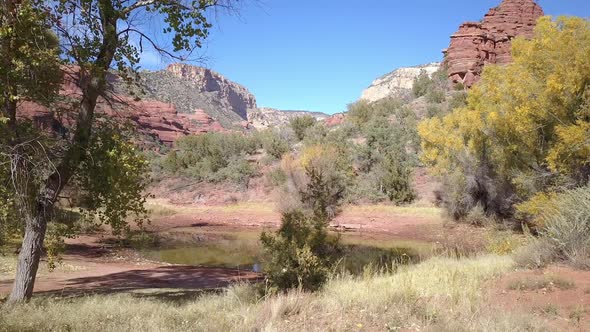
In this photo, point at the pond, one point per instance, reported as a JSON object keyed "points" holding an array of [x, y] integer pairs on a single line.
{"points": [[242, 250]]}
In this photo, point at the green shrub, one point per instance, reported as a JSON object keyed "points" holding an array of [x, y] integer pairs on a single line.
{"points": [[238, 171], [434, 110], [366, 188], [299, 254], [436, 96], [276, 177], [213, 157], [386, 157], [274, 144], [422, 84], [458, 99], [359, 113], [300, 125], [395, 179]]}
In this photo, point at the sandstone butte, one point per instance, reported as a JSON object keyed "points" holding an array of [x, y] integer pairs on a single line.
{"points": [[154, 118], [477, 44]]}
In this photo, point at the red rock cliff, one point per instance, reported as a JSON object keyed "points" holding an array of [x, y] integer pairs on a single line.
{"points": [[476, 44], [154, 118]]}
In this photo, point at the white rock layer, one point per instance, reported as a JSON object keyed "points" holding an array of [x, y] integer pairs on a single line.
{"points": [[397, 83]]}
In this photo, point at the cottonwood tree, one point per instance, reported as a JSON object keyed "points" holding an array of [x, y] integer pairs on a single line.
{"points": [[96, 36], [526, 126]]}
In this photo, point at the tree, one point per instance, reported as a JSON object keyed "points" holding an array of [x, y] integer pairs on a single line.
{"points": [[96, 36], [300, 124], [422, 84], [525, 127]]}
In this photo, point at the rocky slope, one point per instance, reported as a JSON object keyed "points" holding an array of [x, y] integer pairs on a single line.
{"points": [[266, 117], [398, 83], [178, 101], [476, 44], [190, 87], [154, 118]]}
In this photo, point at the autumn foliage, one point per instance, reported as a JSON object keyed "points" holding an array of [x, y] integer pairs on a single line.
{"points": [[526, 128]]}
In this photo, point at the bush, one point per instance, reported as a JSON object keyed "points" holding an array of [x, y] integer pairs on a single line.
{"points": [[274, 144], [366, 189], [538, 253], [238, 171], [395, 178], [457, 100], [471, 184], [276, 177], [300, 125], [422, 84], [386, 157], [436, 96], [359, 113], [301, 252], [434, 110], [567, 226], [213, 157]]}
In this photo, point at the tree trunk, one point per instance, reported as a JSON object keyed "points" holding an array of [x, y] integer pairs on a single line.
{"points": [[93, 85], [28, 259]]}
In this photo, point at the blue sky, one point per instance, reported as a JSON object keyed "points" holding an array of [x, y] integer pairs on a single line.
{"points": [[319, 55]]}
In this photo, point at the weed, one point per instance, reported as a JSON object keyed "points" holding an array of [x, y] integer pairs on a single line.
{"points": [[578, 314], [550, 310]]}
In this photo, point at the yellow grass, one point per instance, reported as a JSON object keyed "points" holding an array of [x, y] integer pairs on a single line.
{"points": [[441, 294], [163, 205]]}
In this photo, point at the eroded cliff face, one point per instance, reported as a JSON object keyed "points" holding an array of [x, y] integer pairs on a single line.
{"points": [[398, 83], [235, 96], [154, 118], [477, 44]]}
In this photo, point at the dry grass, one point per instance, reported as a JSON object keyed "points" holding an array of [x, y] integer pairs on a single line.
{"points": [[441, 294], [405, 211], [164, 205]]}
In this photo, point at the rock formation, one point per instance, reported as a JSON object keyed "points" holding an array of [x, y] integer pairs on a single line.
{"points": [[265, 117], [154, 118], [398, 83], [335, 120], [206, 80], [476, 44]]}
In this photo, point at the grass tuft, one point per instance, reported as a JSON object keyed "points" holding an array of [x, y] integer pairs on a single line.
{"points": [[547, 282]]}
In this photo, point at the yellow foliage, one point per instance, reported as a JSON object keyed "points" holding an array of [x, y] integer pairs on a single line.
{"points": [[536, 206], [572, 148], [531, 113]]}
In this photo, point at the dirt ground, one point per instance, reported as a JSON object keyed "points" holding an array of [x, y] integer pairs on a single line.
{"points": [[559, 294], [99, 267], [95, 266]]}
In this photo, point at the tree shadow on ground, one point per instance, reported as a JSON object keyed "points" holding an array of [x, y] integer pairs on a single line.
{"points": [[170, 283]]}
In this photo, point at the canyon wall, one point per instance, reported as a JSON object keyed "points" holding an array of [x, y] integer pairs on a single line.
{"points": [[476, 44]]}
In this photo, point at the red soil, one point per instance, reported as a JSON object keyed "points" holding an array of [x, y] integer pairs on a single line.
{"points": [[564, 308]]}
